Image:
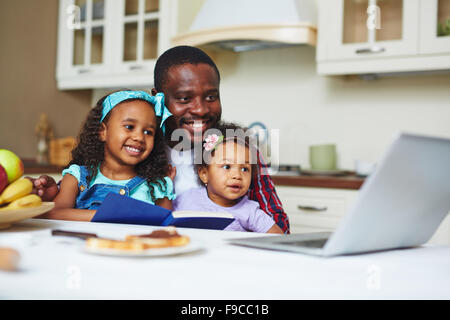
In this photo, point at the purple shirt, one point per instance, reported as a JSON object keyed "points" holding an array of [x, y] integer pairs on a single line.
{"points": [[248, 215]]}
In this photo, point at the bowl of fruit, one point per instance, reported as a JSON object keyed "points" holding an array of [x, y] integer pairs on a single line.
{"points": [[17, 203]]}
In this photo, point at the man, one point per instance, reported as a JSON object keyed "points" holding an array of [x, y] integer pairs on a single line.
{"points": [[190, 82]]}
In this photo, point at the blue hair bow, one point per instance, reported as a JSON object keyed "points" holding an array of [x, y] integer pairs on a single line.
{"points": [[158, 101]]}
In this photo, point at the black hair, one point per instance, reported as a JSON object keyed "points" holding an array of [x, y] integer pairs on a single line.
{"points": [[178, 56], [90, 150]]}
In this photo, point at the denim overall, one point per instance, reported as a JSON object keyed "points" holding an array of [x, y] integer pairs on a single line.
{"points": [[92, 197]]}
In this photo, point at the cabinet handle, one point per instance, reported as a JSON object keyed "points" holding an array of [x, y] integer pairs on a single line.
{"points": [[136, 67], [375, 49], [80, 71], [312, 208]]}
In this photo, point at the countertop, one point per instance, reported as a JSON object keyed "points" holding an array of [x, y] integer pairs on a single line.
{"points": [[54, 268], [347, 181], [32, 167]]}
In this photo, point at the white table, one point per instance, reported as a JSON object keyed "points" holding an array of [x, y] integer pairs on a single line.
{"points": [[54, 269]]}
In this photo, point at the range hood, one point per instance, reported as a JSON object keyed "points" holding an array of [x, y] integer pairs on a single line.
{"points": [[242, 25]]}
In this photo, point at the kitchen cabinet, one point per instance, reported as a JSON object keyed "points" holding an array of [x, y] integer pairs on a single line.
{"points": [[315, 209], [382, 36], [111, 43], [321, 209], [434, 39]]}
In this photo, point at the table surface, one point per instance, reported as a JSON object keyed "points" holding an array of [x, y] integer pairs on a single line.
{"points": [[55, 268]]}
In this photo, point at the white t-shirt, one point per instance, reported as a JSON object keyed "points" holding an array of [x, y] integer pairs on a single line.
{"points": [[186, 177]]}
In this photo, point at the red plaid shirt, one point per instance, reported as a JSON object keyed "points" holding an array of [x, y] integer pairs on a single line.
{"points": [[263, 191]]}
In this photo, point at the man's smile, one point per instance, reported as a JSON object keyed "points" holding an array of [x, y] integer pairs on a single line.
{"points": [[197, 125]]}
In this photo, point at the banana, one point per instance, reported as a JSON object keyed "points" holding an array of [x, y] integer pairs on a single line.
{"points": [[28, 201], [16, 190]]}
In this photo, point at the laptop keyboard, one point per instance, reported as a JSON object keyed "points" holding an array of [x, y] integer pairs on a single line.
{"points": [[317, 243]]}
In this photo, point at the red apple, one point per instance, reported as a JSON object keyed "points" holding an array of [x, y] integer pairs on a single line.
{"points": [[12, 165], [3, 179]]}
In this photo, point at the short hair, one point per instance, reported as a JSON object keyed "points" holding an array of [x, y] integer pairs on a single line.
{"points": [[178, 56]]}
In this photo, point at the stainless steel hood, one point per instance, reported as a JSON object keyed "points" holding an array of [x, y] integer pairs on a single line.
{"points": [[242, 25]]}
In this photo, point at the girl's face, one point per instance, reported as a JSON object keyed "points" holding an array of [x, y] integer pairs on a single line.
{"points": [[228, 175], [129, 133]]}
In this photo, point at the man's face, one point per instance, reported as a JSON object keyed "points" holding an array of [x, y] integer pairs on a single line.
{"points": [[192, 96]]}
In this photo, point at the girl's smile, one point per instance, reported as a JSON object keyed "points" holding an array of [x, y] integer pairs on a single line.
{"points": [[128, 135], [134, 151]]}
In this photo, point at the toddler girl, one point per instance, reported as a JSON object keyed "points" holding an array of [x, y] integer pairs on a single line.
{"points": [[226, 171], [121, 150]]}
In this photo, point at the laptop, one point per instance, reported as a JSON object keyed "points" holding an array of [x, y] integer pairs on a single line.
{"points": [[400, 205]]}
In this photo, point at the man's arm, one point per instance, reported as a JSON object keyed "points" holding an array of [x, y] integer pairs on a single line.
{"points": [[65, 201], [263, 191]]}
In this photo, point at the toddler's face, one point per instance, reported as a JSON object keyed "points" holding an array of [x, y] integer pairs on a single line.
{"points": [[129, 133], [228, 176]]}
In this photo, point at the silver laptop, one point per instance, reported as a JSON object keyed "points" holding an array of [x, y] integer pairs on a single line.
{"points": [[400, 205]]}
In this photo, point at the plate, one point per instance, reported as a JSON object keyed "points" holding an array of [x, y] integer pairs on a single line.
{"points": [[325, 172], [154, 252], [8, 217]]}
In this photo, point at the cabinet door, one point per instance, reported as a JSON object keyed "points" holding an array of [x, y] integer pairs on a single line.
{"points": [[82, 38], [435, 26], [367, 29], [315, 209], [141, 35]]}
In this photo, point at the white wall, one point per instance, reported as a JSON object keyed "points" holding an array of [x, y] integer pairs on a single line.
{"points": [[280, 88]]}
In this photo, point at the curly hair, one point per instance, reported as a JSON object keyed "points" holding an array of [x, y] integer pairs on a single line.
{"points": [[89, 151], [230, 132]]}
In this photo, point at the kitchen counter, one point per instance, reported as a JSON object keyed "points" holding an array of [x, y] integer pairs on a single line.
{"points": [[54, 268], [31, 167], [349, 181]]}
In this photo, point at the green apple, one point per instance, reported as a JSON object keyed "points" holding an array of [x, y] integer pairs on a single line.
{"points": [[12, 164], [3, 179]]}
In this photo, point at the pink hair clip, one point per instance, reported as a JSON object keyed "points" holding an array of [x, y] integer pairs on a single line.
{"points": [[212, 141]]}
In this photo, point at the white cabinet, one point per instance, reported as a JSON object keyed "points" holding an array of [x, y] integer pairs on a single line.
{"points": [[382, 36], [111, 43], [355, 38], [321, 209], [315, 209], [81, 39], [435, 33]]}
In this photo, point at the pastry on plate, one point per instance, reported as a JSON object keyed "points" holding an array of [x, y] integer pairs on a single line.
{"points": [[102, 243], [161, 238]]}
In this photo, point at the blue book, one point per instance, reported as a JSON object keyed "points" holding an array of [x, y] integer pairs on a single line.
{"points": [[121, 209]]}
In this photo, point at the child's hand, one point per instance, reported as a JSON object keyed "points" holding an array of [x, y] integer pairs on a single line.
{"points": [[45, 187], [172, 172]]}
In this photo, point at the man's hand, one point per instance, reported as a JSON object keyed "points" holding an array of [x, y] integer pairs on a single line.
{"points": [[45, 187], [172, 172]]}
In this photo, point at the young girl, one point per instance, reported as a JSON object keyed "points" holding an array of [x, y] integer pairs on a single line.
{"points": [[121, 149], [226, 171]]}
